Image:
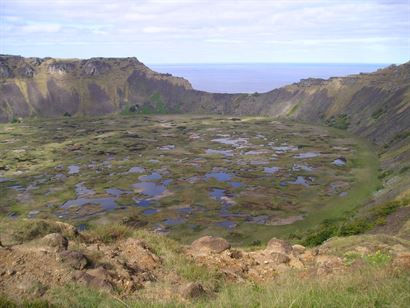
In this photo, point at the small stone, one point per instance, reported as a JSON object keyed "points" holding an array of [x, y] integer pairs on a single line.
{"points": [[192, 290], [74, 259], [55, 241], [236, 254]]}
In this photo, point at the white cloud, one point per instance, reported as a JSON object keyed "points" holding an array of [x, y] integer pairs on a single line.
{"points": [[223, 28], [224, 41], [40, 27]]}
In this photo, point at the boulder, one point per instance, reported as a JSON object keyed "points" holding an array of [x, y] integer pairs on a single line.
{"points": [[279, 258], [75, 259], [210, 244], [138, 255], [296, 263], [55, 241], [298, 249], [279, 246], [192, 290]]}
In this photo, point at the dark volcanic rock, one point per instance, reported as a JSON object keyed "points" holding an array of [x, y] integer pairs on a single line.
{"points": [[5, 71], [94, 67], [61, 68]]}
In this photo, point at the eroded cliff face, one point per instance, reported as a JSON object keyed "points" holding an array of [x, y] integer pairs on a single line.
{"points": [[375, 106], [52, 87]]}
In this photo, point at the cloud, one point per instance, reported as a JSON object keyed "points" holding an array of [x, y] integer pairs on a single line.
{"points": [[220, 28], [39, 27], [223, 41]]}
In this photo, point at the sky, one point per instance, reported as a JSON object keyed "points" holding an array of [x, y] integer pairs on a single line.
{"points": [[209, 31]]}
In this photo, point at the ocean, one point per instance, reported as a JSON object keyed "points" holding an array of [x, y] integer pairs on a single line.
{"points": [[259, 77]]}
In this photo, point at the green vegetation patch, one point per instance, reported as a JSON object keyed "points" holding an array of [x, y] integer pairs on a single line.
{"points": [[352, 225], [341, 121]]}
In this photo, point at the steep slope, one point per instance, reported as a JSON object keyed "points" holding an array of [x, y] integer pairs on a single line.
{"points": [[51, 87], [375, 105]]}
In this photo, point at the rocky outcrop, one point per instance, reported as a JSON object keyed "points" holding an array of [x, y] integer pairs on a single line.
{"points": [[127, 266]]}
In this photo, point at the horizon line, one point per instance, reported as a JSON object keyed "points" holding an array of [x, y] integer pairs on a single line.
{"points": [[219, 63]]}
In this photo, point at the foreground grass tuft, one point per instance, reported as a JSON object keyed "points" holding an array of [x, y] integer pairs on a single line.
{"points": [[108, 233], [370, 286]]}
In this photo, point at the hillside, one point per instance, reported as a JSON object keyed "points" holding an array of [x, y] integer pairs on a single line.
{"points": [[376, 105], [121, 186], [53, 87]]}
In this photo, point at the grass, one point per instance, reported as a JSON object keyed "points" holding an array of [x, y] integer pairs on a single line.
{"points": [[173, 258], [23, 230], [367, 288], [108, 233], [353, 225], [371, 286]]}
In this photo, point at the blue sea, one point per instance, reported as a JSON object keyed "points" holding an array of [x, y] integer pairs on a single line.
{"points": [[259, 77]]}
